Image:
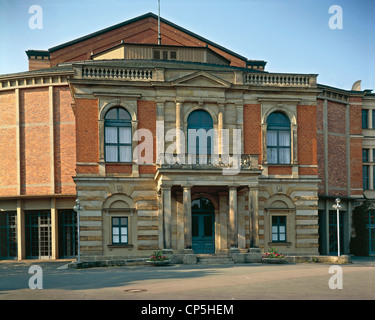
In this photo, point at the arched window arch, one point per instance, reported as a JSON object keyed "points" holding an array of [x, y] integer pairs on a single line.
{"points": [[118, 135], [278, 139], [200, 135]]}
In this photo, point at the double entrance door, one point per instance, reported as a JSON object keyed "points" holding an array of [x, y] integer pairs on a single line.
{"points": [[203, 226]]}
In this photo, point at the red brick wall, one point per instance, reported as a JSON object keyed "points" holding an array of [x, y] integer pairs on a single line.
{"points": [[279, 170], [118, 168], [35, 141], [147, 120], [356, 181], [65, 139], [356, 145], [87, 145], [336, 117], [307, 139], [8, 163], [252, 129]]}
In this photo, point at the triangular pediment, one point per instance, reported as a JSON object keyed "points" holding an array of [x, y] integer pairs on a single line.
{"points": [[201, 79]]}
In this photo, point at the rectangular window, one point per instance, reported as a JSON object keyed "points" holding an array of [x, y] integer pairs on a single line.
{"points": [[364, 118], [120, 230], [279, 229], [365, 177], [165, 55], [174, 56], [365, 155], [156, 54]]}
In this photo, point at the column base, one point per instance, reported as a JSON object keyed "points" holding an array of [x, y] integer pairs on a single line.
{"points": [[188, 251]]}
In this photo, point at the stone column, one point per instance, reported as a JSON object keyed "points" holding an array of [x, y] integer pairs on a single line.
{"points": [[21, 249], [54, 230], [160, 132], [179, 140], [254, 217], [135, 161], [187, 217], [167, 216], [233, 228], [220, 127]]}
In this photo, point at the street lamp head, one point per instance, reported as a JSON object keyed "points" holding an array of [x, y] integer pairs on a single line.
{"points": [[337, 205], [77, 206]]}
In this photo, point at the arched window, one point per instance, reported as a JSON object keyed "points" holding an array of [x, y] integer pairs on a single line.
{"points": [[118, 136], [278, 138], [200, 135]]}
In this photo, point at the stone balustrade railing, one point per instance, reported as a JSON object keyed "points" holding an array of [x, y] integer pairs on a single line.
{"points": [[278, 79], [169, 160], [96, 72]]}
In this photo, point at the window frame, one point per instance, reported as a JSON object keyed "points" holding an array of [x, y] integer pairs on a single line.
{"points": [[278, 127], [120, 226], [366, 177], [365, 155], [205, 126], [118, 123], [365, 118], [278, 224]]}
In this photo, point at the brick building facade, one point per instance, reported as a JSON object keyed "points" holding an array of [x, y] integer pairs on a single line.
{"points": [[108, 118]]}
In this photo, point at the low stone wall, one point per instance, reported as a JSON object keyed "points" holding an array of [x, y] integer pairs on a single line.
{"points": [[319, 259], [238, 258]]}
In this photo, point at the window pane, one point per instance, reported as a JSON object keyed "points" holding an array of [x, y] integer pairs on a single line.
{"points": [[274, 229], [282, 237], [111, 154], [124, 221], [125, 154], [365, 154], [208, 226], [110, 135], [272, 155], [364, 119], [124, 231], [284, 155], [123, 114], [111, 114], [272, 138], [284, 138], [365, 177], [115, 231], [195, 226], [124, 239], [274, 237], [115, 221], [125, 135], [116, 239], [282, 229]]}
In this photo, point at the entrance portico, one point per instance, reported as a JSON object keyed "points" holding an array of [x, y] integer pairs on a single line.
{"points": [[228, 223]]}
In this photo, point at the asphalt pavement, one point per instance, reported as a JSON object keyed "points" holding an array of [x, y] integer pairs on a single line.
{"points": [[52, 280]]}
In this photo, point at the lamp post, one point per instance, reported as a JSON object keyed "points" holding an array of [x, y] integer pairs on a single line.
{"points": [[337, 206], [77, 208]]}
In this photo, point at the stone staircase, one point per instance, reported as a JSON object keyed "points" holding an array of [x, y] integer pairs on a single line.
{"points": [[214, 259]]}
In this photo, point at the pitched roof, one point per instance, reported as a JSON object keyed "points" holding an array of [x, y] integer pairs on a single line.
{"points": [[145, 16]]}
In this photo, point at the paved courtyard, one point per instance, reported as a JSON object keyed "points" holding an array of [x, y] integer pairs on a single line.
{"points": [[304, 281]]}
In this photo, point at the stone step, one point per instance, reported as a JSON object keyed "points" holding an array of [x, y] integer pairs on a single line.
{"points": [[214, 259]]}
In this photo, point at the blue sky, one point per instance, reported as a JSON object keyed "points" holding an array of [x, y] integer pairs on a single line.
{"points": [[291, 35]]}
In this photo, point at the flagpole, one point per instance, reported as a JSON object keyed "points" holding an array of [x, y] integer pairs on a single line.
{"points": [[159, 37]]}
